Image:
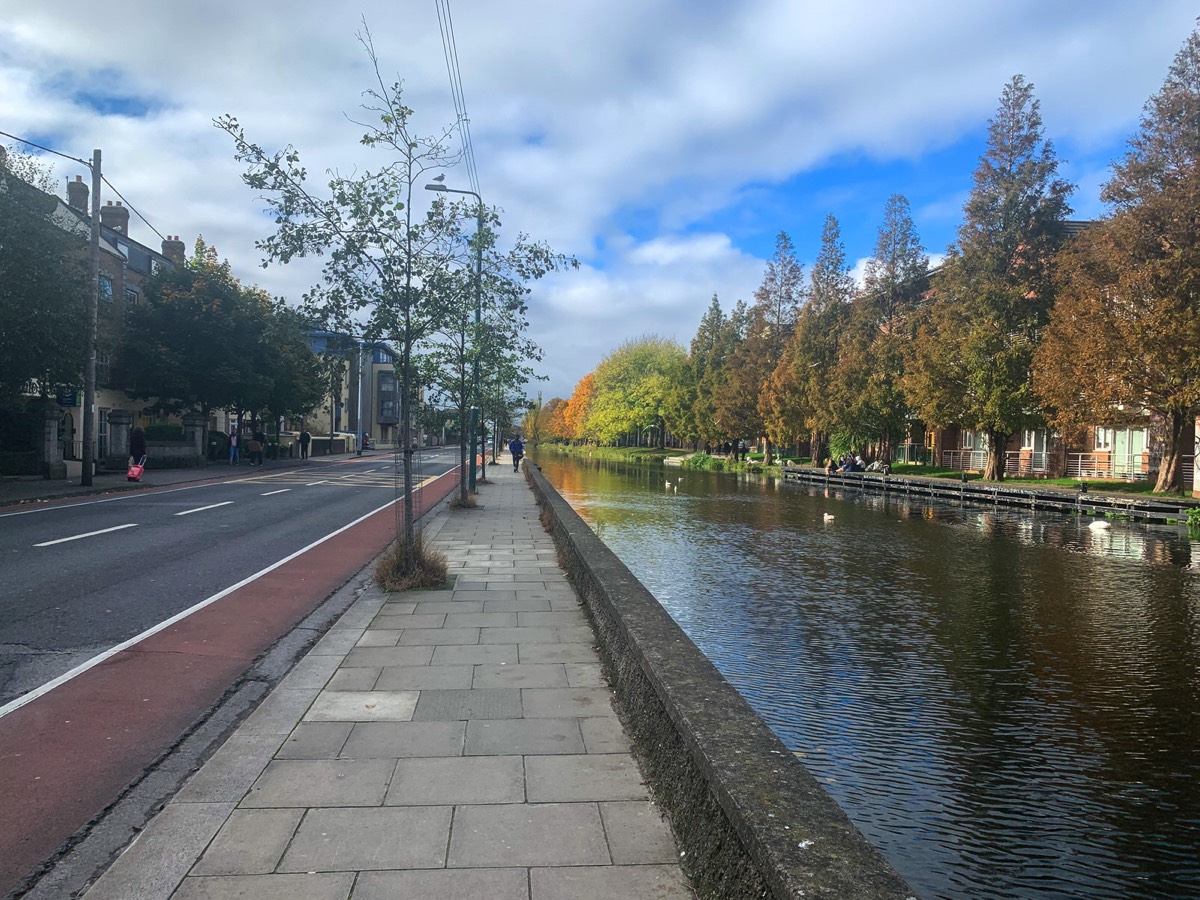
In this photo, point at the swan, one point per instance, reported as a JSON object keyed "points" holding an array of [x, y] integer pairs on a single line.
{"points": [[1099, 525], [829, 517]]}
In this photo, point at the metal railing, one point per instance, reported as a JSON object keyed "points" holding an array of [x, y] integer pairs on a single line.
{"points": [[1123, 467], [965, 460], [1026, 463]]}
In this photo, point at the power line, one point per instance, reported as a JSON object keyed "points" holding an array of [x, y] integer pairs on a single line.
{"points": [[84, 162], [446, 25]]}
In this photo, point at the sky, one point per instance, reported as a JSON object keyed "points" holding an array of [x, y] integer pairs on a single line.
{"points": [[663, 143]]}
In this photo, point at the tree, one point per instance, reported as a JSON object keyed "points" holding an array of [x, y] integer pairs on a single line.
{"points": [[1124, 334], [972, 358], [43, 284], [712, 348], [579, 408], [864, 400], [378, 253], [196, 340], [633, 385], [498, 340], [772, 319], [554, 414], [796, 396]]}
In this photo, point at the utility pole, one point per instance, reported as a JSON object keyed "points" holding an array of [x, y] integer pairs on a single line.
{"points": [[89, 373]]}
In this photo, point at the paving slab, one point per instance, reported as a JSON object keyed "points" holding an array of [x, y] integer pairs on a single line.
{"points": [[399, 740], [528, 834], [606, 882], [355, 840], [321, 782], [457, 780], [637, 833], [520, 676], [251, 842], [445, 884], [591, 776], [542, 703], [310, 886], [315, 740], [481, 703], [526, 737], [362, 706], [435, 677]]}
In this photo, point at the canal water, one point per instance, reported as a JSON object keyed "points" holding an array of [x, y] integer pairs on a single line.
{"points": [[1007, 704]]}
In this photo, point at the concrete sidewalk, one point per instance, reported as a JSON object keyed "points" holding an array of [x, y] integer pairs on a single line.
{"points": [[456, 743]]}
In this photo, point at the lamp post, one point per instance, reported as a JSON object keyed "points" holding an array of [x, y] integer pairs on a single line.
{"points": [[474, 420]]}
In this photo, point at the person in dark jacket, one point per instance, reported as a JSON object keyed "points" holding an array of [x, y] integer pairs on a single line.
{"points": [[517, 449], [137, 445]]}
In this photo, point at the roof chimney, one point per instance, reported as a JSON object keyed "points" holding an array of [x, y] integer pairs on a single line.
{"points": [[77, 193], [115, 217], [173, 249]]}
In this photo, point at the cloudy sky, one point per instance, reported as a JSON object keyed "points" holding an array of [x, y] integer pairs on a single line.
{"points": [[664, 143]]}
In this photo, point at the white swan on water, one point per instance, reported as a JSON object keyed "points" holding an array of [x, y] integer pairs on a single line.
{"points": [[829, 517], [1099, 525]]}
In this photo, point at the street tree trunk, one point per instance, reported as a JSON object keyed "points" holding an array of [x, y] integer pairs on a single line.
{"points": [[1170, 468], [997, 442]]}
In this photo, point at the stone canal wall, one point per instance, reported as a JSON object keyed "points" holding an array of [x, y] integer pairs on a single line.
{"points": [[750, 819]]}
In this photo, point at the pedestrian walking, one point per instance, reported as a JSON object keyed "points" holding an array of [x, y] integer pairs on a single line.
{"points": [[517, 449], [305, 440], [233, 449]]}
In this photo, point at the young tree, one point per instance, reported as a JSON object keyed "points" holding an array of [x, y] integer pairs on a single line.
{"points": [[1124, 335], [993, 296], [43, 284], [498, 339], [378, 253]]}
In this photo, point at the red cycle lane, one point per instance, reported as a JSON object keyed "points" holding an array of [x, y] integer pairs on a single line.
{"points": [[68, 755]]}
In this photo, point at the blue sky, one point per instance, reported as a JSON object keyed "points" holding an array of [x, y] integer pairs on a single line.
{"points": [[664, 143]]}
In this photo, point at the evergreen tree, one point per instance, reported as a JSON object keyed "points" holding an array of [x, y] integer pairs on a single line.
{"points": [[771, 321], [972, 358], [1124, 336]]}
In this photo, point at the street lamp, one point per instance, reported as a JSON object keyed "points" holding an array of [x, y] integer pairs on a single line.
{"points": [[474, 420]]}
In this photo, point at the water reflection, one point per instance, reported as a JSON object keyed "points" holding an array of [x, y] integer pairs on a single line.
{"points": [[1007, 703]]}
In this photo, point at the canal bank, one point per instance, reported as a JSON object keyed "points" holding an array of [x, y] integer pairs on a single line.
{"points": [[1086, 501], [1005, 702], [750, 819]]}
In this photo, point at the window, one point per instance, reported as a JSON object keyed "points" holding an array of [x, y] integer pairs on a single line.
{"points": [[131, 297], [103, 368], [1104, 439], [967, 440], [106, 289]]}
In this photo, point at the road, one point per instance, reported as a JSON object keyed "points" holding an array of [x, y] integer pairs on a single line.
{"points": [[82, 577], [125, 620]]}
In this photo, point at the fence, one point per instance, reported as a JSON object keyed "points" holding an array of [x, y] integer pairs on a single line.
{"points": [[1027, 463], [965, 460]]}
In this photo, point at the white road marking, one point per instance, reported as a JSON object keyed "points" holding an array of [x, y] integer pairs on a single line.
{"points": [[315, 483], [188, 512], [272, 493], [78, 537], [46, 688]]}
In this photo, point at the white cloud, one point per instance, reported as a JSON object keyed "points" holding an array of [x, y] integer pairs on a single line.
{"points": [[640, 136]]}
